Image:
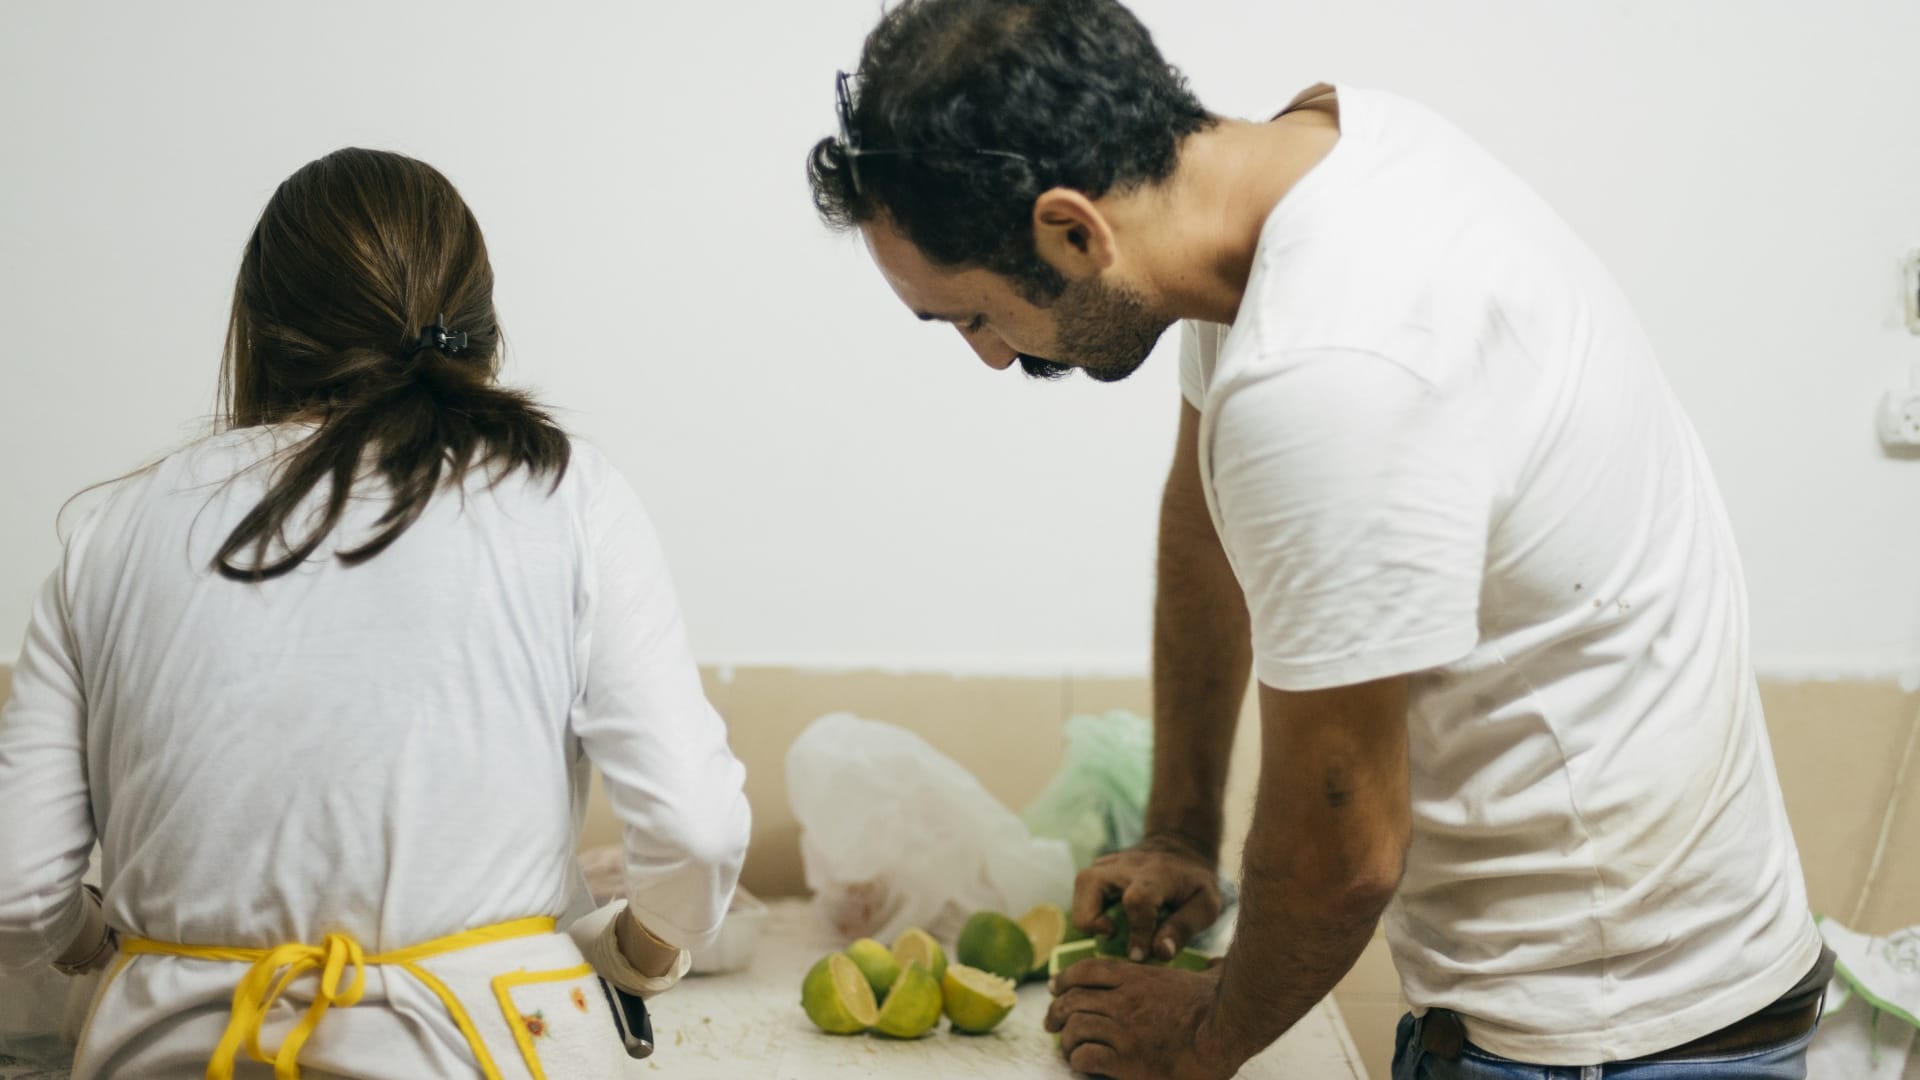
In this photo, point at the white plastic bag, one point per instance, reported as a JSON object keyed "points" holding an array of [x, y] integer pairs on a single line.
{"points": [[896, 834], [1873, 1008], [1097, 802]]}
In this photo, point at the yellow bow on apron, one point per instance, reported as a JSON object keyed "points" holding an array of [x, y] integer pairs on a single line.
{"points": [[275, 969]]}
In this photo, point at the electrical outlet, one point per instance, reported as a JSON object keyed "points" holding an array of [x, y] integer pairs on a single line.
{"points": [[1900, 419]]}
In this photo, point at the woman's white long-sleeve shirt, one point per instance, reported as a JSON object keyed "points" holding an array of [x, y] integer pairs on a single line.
{"points": [[396, 750]]}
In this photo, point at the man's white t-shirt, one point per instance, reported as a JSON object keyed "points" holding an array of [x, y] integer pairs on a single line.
{"points": [[1436, 441]]}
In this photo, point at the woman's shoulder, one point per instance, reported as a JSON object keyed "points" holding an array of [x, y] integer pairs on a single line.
{"points": [[103, 520], [213, 458], [606, 499], [592, 473]]}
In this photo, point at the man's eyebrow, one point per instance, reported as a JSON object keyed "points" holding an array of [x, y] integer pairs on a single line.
{"points": [[928, 316]]}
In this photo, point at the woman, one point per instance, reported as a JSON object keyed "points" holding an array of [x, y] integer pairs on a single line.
{"points": [[326, 686]]}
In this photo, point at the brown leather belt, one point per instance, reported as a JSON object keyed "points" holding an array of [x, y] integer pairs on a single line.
{"points": [[1443, 1035], [1753, 1033]]}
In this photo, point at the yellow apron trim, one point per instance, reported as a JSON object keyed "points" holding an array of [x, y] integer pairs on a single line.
{"points": [[460, 1018], [273, 970], [503, 989]]}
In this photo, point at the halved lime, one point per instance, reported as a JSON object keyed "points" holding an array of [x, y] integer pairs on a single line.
{"points": [[913, 1007], [976, 1000], [837, 997], [1069, 954], [915, 944], [1046, 927]]}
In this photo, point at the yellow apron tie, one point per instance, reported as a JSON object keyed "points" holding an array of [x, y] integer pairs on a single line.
{"points": [[273, 970]]}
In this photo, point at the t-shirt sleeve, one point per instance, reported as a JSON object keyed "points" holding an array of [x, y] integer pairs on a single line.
{"points": [[1197, 349], [1353, 500], [672, 780]]}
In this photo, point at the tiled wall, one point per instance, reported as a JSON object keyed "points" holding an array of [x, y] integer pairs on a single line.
{"points": [[1848, 755]]}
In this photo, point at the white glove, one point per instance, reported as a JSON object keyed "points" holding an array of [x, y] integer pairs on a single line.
{"points": [[594, 934]]}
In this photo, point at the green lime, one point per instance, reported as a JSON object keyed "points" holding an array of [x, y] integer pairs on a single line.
{"points": [[976, 1000], [837, 997], [876, 963], [1046, 928], [915, 944], [992, 942], [913, 1008]]}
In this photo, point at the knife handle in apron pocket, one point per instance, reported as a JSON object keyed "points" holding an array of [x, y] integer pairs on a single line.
{"points": [[630, 1016]]}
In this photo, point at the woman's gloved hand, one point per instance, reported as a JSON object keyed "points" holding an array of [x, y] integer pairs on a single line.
{"points": [[626, 954], [93, 948]]}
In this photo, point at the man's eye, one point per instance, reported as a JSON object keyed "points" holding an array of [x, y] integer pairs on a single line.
{"points": [[976, 324]]}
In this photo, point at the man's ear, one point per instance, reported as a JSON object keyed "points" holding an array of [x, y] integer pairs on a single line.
{"points": [[1071, 233]]}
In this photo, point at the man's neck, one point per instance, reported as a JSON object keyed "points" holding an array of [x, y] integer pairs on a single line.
{"points": [[1199, 231]]}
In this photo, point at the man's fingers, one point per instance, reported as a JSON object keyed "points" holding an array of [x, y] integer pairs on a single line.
{"points": [[1186, 923], [1090, 892], [1085, 1028], [1081, 999], [1142, 904], [1093, 973], [1097, 1059]]}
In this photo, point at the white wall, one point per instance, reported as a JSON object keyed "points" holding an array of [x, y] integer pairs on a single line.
{"points": [[839, 484]]}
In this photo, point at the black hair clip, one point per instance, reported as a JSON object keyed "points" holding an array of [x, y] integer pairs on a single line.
{"points": [[439, 337]]}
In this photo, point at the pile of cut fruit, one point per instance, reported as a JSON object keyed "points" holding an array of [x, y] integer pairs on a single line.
{"points": [[901, 992]]}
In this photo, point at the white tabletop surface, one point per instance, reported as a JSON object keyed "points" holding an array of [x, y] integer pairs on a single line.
{"points": [[749, 1025]]}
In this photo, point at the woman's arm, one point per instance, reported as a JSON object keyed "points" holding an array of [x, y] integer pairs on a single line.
{"points": [[671, 778], [46, 816]]}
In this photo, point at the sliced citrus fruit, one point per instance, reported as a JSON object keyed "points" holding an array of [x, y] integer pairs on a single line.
{"points": [[1046, 928], [913, 1008], [916, 944], [837, 997], [976, 1000], [1070, 954]]}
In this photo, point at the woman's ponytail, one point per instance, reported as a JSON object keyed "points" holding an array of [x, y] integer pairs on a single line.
{"points": [[318, 334]]}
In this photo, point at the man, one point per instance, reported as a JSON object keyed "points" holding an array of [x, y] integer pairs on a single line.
{"points": [[1431, 489]]}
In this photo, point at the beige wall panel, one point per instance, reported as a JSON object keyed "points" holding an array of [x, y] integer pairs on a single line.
{"points": [[1892, 901], [1837, 747]]}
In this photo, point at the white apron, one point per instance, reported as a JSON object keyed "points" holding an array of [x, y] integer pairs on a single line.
{"points": [[511, 1001]]}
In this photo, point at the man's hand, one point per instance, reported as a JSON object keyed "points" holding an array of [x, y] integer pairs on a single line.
{"points": [[1161, 872], [1129, 1021]]}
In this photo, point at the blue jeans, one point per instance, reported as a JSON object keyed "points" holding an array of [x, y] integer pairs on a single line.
{"points": [[1781, 1061]]}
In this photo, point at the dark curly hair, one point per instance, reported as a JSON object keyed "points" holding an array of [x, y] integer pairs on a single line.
{"points": [[1074, 87]]}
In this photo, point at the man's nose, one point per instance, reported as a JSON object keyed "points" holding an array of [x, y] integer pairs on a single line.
{"points": [[991, 350]]}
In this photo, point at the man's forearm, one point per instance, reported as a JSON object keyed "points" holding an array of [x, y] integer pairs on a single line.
{"points": [[1295, 939], [1201, 661], [1325, 853]]}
